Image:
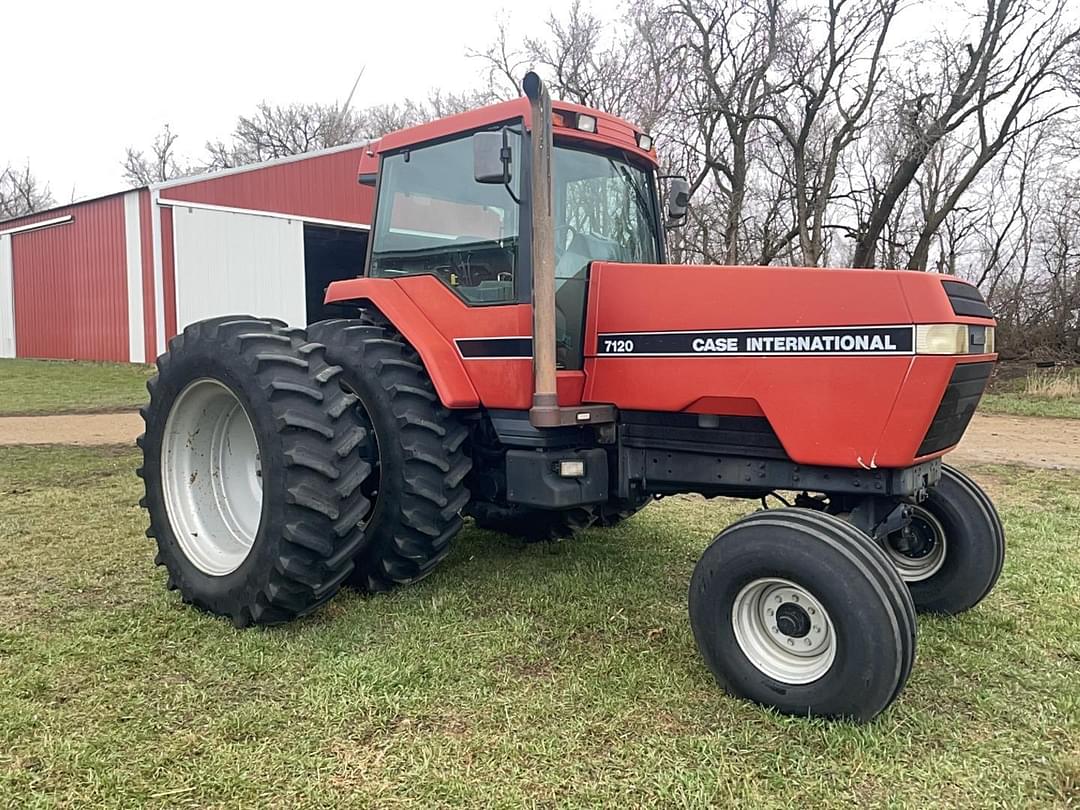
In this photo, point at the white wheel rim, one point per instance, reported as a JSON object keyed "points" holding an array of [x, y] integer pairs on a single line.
{"points": [[923, 564], [783, 630], [212, 477]]}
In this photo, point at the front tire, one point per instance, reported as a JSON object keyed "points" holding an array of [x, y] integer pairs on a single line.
{"points": [[952, 554], [253, 493], [798, 610]]}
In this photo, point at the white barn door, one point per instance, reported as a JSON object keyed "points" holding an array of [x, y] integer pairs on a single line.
{"points": [[7, 299], [230, 263]]}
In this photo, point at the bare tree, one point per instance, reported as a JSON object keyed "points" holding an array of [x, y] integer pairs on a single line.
{"points": [[22, 193], [442, 103], [623, 69], [278, 131], [732, 46], [833, 77], [1004, 84], [161, 164]]}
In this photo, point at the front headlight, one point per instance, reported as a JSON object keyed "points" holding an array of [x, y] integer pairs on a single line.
{"points": [[953, 338], [941, 338]]}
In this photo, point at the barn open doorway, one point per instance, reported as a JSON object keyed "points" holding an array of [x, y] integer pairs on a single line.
{"points": [[330, 254]]}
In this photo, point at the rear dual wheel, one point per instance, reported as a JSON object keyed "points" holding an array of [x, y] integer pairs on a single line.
{"points": [[280, 463], [253, 488], [798, 610]]}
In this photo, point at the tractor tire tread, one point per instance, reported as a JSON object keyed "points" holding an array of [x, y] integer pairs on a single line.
{"points": [[303, 548], [422, 463]]}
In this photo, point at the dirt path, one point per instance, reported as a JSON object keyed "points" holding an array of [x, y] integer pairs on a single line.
{"points": [[85, 429], [1053, 443], [1027, 440]]}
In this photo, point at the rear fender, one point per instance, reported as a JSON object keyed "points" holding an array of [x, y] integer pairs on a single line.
{"points": [[441, 360]]}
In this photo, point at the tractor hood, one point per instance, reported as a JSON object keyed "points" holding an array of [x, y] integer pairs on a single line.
{"points": [[850, 367]]}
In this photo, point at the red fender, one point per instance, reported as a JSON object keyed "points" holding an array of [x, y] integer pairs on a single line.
{"points": [[441, 360]]}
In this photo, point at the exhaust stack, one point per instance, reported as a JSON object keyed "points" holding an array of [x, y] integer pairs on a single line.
{"points": [[545, 410], [545, 404]]}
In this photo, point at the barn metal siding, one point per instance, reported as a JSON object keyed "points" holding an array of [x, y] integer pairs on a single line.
{"points": [[75, 288], [56, 213], [322, 187], [70, 284], [146, 238]]}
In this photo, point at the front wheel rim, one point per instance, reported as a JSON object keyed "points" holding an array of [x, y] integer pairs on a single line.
{"points": [[783, 630], [918, 551], [212, 477]]}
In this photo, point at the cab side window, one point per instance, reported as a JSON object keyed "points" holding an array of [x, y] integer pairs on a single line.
{"points": [[433, 218]]}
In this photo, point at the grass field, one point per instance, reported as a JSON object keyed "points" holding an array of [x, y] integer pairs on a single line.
{"points": [[1040, 392], [511, 678], [29, 387]]}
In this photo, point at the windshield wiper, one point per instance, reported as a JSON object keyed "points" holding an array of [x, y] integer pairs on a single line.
{"points": [[639, 195]]}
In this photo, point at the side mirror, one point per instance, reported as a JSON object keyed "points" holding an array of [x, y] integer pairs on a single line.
{"points": [[491, 158], [678, 198]]}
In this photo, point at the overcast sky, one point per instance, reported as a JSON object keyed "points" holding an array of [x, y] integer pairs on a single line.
{"points": [[82, 80]]}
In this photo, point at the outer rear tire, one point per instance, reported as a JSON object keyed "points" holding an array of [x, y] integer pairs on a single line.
{"points": [[868, 614], [304, 528], [417, 453], [974, 546]]}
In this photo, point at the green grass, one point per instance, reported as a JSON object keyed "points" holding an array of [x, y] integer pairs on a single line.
{"points": [[29, 387], [513, 677], [1019, 404], [1041, 392]]}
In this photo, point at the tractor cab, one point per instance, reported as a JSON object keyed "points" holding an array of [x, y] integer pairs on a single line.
{"points": [[455, 204]]}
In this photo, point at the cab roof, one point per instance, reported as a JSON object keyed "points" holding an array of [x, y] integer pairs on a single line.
{"points": [[610, 130]]}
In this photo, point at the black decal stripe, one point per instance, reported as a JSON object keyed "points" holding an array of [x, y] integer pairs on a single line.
{"points": [[815, 341], [494, 348]]}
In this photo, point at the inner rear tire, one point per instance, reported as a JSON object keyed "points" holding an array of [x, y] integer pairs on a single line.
{"points": [[798, 610], [253, 491], [970, 540], [532, 525], [617, 510], [414, 445]]}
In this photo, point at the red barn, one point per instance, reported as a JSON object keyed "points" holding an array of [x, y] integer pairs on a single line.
{"points": [[115, 277]]}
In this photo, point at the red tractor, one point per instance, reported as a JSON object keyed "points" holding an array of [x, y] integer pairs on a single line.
{"points": [[518, 351]]}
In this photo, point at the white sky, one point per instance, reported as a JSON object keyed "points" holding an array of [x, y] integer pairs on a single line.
{"points": [[83, 80]]}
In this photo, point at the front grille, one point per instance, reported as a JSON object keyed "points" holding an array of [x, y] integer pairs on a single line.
{"points": [[966, 300], [962, 395]]}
